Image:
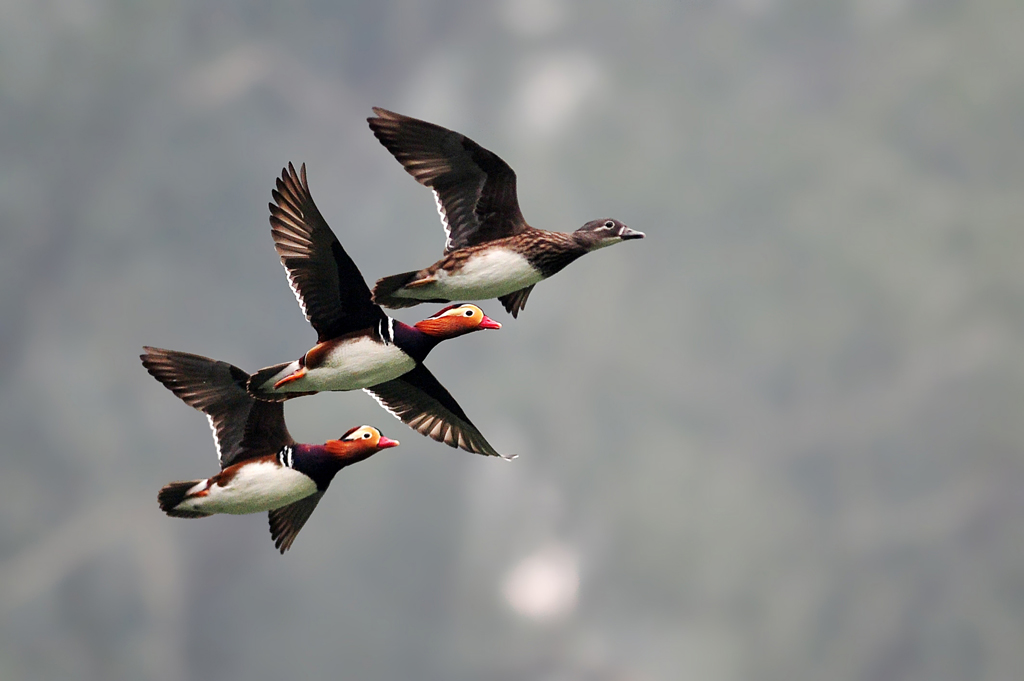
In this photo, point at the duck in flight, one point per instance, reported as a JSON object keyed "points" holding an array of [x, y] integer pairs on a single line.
{"points": [[358, 345], [262, 467], [490, 251]]}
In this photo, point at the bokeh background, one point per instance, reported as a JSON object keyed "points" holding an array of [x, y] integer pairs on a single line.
{"points": [[778, 439]]}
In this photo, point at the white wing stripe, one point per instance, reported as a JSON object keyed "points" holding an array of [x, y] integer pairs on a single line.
{"points": [[381, 403], [433, 426], [216, 438], [295, 290], [444, 221]]}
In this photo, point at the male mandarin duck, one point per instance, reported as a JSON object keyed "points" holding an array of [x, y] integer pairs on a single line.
{"points": [[490, 251], [358, 345], [262, 467]]}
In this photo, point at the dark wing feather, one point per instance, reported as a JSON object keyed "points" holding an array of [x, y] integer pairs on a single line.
{"points": [[516, 301], [285, 522], [243, 428], [420, 401], [475, 190], [330, 290]]}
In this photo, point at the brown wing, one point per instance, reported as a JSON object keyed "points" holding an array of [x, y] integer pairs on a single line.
{"points": [[475, 190], [243, 428], [328, 285], [516, 301], [285, 522], [420, 401]]}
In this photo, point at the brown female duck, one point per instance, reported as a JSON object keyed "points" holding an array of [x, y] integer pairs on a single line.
{"points": [[490, 250]]}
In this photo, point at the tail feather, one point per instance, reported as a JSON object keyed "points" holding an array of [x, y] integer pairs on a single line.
{"points": [[261, 383], [173, 494], [385, 288]]}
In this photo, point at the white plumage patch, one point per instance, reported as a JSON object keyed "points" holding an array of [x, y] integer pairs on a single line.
{"points": [[489, 274], [359, 364], [257, 487], [351, 365]]}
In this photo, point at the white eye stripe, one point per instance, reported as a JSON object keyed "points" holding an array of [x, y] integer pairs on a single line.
{"points": [[360, 434]]}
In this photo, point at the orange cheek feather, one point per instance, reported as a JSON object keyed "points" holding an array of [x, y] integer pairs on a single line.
{"points": [[433, 327], [336, 447], [447, 326]]}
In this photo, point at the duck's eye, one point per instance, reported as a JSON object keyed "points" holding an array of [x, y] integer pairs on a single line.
{"points": [[366, 435], [469, 313], [609, 224]]}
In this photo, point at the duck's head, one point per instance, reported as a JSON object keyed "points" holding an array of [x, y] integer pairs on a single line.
{"points": [[456, 320], [605, 232], [359, 443]]}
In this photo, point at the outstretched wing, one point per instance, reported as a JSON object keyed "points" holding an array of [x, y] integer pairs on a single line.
{"points": [[326, 282], [285, 522], [243, 428], [475, 190], [420, 401]]}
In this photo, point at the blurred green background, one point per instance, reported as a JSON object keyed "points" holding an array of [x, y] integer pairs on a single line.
{"points": [[778, 439]]}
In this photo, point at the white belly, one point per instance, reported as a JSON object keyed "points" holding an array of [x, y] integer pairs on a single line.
{"points": [[257, 487], [354, 366], [358, 365], [490, 274]]}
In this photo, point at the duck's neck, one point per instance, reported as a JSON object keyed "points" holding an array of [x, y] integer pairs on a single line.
{"points": [[316, 462], [555, 253], [585, 241], [414, 342]]}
